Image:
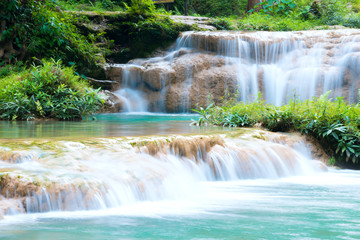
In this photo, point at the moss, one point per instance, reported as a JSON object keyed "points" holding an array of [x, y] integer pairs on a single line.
{"points": [[128, 36]]}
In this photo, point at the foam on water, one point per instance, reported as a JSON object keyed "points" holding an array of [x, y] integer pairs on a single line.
{"points": [[281, 65], [111, 173]]}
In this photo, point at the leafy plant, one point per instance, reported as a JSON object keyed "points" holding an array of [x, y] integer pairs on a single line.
{"points": [[47, 91], [34, 29], [212, 8], [141, 7], [332, 161], [204, 114], [275, 7], [222, 24], [262, 22], [334, 123]]}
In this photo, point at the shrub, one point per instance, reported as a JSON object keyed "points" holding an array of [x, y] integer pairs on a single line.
{"points": [[213, 8], [352, 21], [139, 36], [47, 91], [222, 24], [8, 69], [35, 29], [275, 7], [261, 22], [332, 11], [141, 7]]}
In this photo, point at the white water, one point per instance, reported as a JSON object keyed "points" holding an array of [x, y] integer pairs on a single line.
{"points": [[112, 173], [279, 64], [133, 99]]}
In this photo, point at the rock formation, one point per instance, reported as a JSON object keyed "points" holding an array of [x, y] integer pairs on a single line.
{"points": [[210, 66]]}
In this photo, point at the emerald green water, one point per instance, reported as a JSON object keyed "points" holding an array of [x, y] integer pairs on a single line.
{"points": [[104, 125], [315, 205], [326, 206]]}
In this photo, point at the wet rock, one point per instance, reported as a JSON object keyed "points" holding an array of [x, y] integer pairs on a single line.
{"points": [[12, 186], [173, 98], [114, 73], [10, 206], [17, 156], [317, 150], [125, 75], [200, 22], [112, 103], [209, 65], [158, 76], [195, 147]]}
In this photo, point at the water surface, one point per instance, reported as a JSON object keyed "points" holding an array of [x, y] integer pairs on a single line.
{"points": [[104, 125], [324, 206]]}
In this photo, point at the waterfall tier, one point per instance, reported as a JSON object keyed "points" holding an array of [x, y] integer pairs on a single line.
{"points": [[108, 173], [204, 66]]}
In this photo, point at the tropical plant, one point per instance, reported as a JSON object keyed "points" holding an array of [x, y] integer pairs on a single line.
{"points": [[222, 24], [334, 123], [141, 7], [34, 29], [47, 91], [275, 7]]}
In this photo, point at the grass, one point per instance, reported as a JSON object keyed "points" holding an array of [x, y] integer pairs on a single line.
{"points": [[302, 15], [261, 22]]}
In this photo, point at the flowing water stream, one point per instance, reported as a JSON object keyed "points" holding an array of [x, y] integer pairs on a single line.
{"points": [[240, 184], [206, 66], [141, 175]]}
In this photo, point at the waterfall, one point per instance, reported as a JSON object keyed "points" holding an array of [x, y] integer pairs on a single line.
{"points": [[131, 92], [108, 173], [204, 66]]}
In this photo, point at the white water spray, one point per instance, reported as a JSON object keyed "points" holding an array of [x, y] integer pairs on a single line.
{"points": [[281, 65]]}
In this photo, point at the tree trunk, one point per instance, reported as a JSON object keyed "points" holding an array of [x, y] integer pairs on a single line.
{"points": [[251, 4], [186, 7]]}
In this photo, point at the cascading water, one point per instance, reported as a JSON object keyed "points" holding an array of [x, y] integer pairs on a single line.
{"points": [[131, 94], [204, 66], [247, 183], [111, 173]]}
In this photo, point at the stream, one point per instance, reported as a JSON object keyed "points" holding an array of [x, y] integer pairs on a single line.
{"points": [[148, 173]]}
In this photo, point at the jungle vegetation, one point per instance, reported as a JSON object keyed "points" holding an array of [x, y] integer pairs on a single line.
{"points": [[51, 45]]}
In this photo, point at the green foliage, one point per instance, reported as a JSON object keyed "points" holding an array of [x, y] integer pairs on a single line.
{"points": [[261, 22], [355, 5], [278, 120], [332, 161], [275, 7], [204, 114], [214, 8], [92, 5], [36, 29], [139, 36], [47, 91], [8, 69], [291, 15], [222, 24], [141, 8], [332, 11], [335, 124], [352, 21]]}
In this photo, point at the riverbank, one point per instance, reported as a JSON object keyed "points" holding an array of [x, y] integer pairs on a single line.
{"points": [[335, 124]]}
